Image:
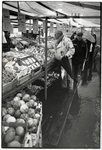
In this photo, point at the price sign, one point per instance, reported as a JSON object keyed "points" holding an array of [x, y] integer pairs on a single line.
{"points": [[44, 26], [58, 26], [35, 26], [51, 27], [21, 23], [62, 28], [6, 20]]}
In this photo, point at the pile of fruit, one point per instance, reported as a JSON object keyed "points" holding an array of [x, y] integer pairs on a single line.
{"points": [[39, 53], [15, 54], [13, 136], [14, 68], [23, 109], [7, 76]]}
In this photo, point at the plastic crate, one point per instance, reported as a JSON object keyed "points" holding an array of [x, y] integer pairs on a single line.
{"points": [[9, 86]]}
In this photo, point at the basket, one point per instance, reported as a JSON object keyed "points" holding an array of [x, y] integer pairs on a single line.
{"points": [[9, 86]]}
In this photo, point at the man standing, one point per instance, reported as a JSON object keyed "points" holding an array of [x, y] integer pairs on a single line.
{"points": [[79, 55], [6, 46], [91, 56], [64, 50]]}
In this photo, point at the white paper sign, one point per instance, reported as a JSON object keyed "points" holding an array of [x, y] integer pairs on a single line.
{"points": [[51, 27], [43, 25], [35, 26], [6, 20], [6, 15], [70, 25], [58, 26], [21, 23], [66, 27], [21, 27], [30, 28], [63, 28]]}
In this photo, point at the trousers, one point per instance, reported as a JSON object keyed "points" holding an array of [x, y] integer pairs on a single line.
{"points": [[66, 72]]}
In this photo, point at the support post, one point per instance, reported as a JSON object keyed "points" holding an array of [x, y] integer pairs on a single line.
{"points": [[18, 8], [39, 35], [45, 58]]}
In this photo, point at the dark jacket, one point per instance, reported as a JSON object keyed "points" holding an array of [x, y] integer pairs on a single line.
{"points": [[80, 51], [6, 46]]}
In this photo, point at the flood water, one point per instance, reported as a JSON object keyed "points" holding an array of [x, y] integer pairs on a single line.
{"points": [[82, 128]]}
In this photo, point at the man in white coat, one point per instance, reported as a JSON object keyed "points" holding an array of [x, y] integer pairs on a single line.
{"points": [[64, 50]]}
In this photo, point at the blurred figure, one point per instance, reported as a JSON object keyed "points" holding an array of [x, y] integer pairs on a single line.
{"points": [[63, 48], [9, 44], [97, 57], [91, 49], [73, 36], [67, 50], [79, 55]]}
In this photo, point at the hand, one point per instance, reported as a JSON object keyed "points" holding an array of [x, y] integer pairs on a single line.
{"points": [[69, 55]]}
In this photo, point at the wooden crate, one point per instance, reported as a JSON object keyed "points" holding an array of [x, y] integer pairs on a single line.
{"points": [[34, 139], [24, 79], [9, 86], [37, 138]]}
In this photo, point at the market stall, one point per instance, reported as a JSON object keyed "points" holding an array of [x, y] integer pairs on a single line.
{"points": [[27, 63]]}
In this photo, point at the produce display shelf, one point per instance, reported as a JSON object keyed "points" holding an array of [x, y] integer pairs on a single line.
{"points": [[36, 76]]}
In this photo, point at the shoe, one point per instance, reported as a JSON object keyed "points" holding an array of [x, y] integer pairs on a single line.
{"points": [[94, 70], [84, 83], [71, 91], [89, 78]]}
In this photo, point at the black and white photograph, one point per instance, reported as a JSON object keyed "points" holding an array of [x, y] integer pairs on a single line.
{"points": [[51, 74]]}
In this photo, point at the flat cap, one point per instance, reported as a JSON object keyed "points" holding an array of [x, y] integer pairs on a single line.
{"points": [[79, 34]]}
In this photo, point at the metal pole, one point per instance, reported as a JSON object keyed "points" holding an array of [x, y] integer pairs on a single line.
{"points": [[18, 8], [39, 35], [45, 58]]}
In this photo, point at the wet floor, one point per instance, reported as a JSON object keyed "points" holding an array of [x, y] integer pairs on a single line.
{"points": [[82, 128]]}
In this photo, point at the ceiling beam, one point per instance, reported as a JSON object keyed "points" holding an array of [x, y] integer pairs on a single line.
{"points": [[64, 17], [14, 7]]}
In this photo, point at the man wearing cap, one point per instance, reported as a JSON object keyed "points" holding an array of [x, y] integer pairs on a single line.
{"points": [[64, 50], [79, 55]]}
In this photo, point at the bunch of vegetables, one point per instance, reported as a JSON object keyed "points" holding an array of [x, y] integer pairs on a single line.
{"points": [[23, 109], [39, 53], [7, 76]]}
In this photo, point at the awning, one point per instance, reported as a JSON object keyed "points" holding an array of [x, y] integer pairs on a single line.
{"points": [[83, 13]]}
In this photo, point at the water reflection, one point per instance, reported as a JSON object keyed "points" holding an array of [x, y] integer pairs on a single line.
{"points": [[74, 112], [82, 128]]}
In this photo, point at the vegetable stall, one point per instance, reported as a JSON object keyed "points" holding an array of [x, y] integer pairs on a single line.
{"points": [[25, 64]]}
